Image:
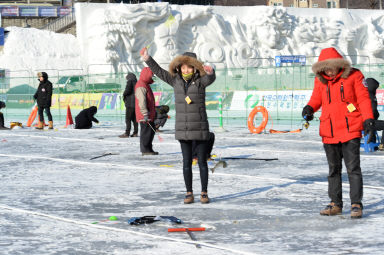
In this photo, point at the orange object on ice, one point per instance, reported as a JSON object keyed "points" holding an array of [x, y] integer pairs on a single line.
{"points": [[69, 120], [185, 229], [32, 116]]}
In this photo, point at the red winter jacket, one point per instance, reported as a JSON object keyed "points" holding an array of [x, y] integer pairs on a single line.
{"points": [[337, 123], [144, 98]]}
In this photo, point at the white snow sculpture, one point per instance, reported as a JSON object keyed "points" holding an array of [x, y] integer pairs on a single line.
{"points": [[226, 36]]}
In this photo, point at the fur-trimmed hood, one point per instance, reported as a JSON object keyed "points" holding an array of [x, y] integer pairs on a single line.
{"points": [[188, 58], [330, 59]]}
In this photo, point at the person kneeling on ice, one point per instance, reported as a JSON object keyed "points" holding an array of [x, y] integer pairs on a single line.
{"points": [[85, 117], [161, 116], [209, 147], [2, 105], [341, 92], [189, 79], [43, 97], [145, 111]]}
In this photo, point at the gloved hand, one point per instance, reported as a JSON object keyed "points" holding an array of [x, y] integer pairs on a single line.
{"points": [[369, 126], [307, 113], [145, 118]]}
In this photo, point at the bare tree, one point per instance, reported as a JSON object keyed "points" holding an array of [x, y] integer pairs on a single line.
{"points": [[372, 4]]}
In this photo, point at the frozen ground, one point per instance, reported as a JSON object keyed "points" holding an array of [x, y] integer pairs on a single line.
{"points": [[51, 192]]}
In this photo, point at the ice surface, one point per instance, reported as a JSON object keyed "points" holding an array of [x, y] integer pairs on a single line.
{"points": [[51, 192]]}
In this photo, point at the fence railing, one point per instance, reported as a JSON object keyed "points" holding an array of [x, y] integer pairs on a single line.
{"points": [[61, 23], [284, 91]]}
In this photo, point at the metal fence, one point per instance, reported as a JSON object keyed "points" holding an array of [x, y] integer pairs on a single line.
{"points": [[284, 91]]}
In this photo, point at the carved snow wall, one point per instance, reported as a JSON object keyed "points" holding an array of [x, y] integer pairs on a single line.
{"points": [[113, 34]]}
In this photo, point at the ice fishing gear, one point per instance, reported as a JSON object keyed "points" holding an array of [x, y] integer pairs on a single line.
{"points": [[158, 136], [151, 219], [111, 218], [189, 232], [307, 119], [105, 154]]}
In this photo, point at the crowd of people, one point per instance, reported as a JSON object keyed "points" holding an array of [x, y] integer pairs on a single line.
{"points": [[347, 101]]}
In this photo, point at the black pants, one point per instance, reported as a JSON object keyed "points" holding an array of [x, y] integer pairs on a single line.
{"points": [[350, 151], [186, 149], [146, 136], [208, 144], [1, 119], [130, 116], [47, 111]]}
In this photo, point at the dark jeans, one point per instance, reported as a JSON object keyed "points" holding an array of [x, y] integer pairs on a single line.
{"points": [[47, 111], [186, 149], [130, 116], [146, 136], [1, 119], [350, 151]]}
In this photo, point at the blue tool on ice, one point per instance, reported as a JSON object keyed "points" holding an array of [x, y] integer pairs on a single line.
{"points": [[151, 219]]}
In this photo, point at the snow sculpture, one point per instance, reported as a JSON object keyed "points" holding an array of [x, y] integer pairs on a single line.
{"points": [[226, 36]]}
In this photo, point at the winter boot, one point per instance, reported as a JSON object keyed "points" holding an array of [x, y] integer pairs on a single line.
{"points": [[134, 135], [50, 124], [40, 125], [125, 135], [356, 211], [381, 147], [331, 209], [204, 198], [151, 153], [189, 199]]}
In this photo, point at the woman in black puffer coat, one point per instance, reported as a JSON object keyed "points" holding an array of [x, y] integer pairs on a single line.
{"points": [[189, 79]]}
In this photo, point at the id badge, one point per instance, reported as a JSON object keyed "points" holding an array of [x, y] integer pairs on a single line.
{"points": [[188, 100], [351, 107]]}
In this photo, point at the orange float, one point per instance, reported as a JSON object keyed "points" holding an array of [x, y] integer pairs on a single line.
{"points": [[252, 115]]}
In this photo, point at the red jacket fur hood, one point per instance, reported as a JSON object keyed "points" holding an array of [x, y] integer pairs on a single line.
{"points": [[344, 100]]}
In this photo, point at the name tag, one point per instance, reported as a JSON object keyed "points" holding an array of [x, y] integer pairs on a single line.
{"points": [[351, 107], [188, 100]]}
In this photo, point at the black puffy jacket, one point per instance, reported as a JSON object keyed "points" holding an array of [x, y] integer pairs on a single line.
{"points": [[43, 93], [85, 117], [373, 85], [191, 118], [129, 92]]}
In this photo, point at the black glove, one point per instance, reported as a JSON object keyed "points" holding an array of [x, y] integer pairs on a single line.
{"points": [[369, 126], [307, 113]]}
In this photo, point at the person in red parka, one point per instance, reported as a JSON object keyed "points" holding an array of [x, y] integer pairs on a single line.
{"points": [[341, 93], [145, 111]]}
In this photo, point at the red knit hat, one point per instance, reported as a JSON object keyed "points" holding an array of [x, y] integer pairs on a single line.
{"points": [[329, 53]]}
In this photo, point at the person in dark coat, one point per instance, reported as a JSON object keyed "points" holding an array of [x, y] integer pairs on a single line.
{"points": [[85, 117], [373, 85], [145, 111], [341, 93], [161, 116], [2, 105], [43, 97], [129, 101], [209, 144], [189, 79]]}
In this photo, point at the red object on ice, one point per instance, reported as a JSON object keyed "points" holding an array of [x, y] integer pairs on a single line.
{"points": [[69, 117], [185, 229]]}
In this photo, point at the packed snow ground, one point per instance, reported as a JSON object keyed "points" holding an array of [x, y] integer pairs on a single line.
{"points": [[51, 193]]}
